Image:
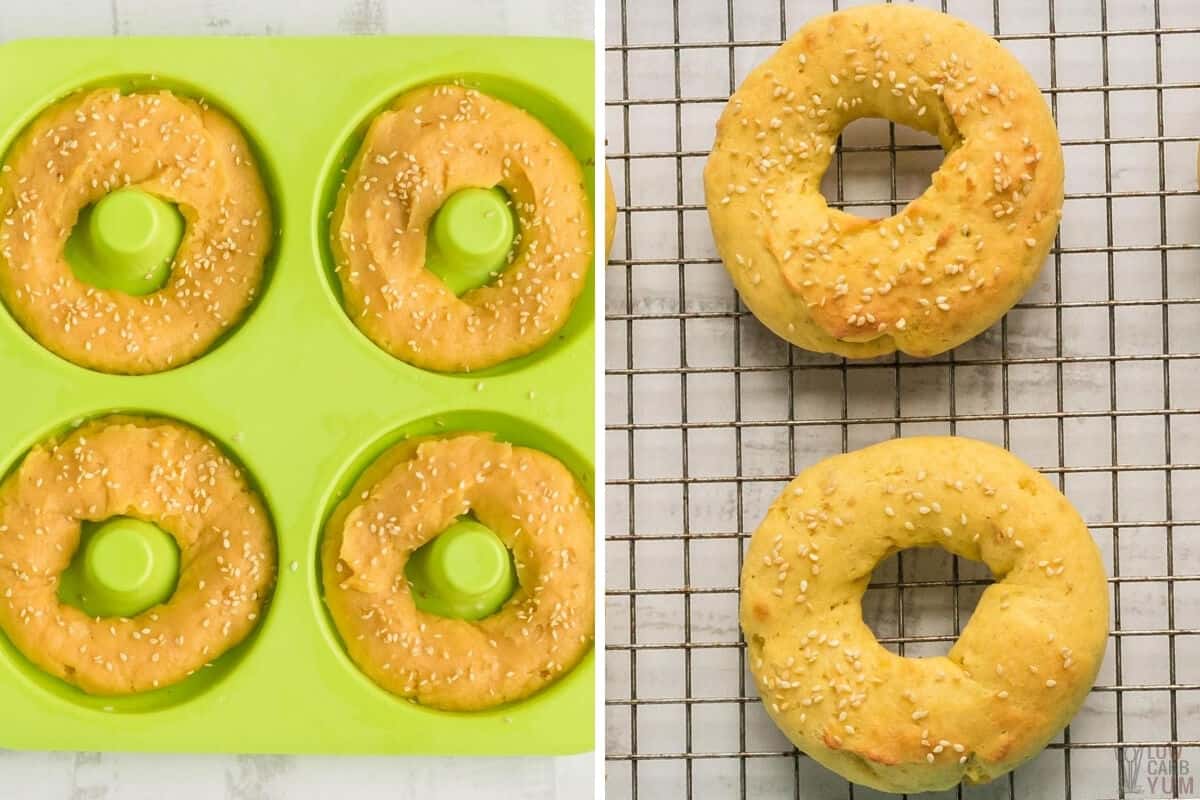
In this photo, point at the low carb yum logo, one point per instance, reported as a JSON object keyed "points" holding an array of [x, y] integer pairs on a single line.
{"points": [[1156, 772], [1132, 777]]}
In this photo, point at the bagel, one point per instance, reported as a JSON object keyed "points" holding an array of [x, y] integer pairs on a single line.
{"points": [[952, 261], [1017, 673], [159, 471], [93, 143], [419, 488], [430, 143]]}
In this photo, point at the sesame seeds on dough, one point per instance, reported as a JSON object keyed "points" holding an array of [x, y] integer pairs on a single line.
{"points": [[952, 261], [427, 145], [93, 143], [1021, 666], [156, 470], [406, 498]]}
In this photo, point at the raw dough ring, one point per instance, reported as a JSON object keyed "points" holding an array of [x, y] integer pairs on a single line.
{"points": [[1020, 668], [430, 143], [954, 260], [160, 471], [420, 487], [182, 151]]}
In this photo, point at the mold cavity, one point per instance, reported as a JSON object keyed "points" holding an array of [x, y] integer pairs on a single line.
{"points": [[140, 580], [125, 250], [505, 428], [561, 118], [880, 166], [920, 599]]}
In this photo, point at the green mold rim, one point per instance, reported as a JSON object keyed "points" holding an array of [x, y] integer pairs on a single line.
{"points": [[506, 428], [128, 83], [166, 698], [548, 109]]}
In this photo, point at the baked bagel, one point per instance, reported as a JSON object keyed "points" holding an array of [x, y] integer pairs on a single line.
{"points": [[1020, 668], [610, 214], [952, 261]]}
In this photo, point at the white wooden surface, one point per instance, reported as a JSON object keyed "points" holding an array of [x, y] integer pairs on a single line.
{"points": [[118, 776]]}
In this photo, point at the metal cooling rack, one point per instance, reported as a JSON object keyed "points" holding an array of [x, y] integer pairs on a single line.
{"points": [[1094, 377]]}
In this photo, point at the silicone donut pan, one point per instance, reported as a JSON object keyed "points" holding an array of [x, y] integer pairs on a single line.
{"points": [[299, 396]]}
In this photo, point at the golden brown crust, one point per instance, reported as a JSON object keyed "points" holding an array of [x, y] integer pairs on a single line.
{"points": [[428, 144], [1020, 668], [946, 266], [93, 143], [419, 488], [160, 471], [610, 214]]}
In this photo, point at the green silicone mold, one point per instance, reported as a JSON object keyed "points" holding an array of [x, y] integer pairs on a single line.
{"points": [[298, 396]]}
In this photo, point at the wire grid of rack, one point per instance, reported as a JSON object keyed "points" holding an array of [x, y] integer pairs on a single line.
{"points": [[1093, 377]]}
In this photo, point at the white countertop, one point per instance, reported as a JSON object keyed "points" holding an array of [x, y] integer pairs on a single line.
{"points": [[119, 776]]}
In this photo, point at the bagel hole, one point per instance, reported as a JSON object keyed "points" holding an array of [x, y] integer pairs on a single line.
{"points": [[73, 586], [480, 269], [880, 166], [91, 264], [911, 601], [425, 589]]}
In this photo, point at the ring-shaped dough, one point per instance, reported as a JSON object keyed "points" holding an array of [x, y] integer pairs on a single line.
{"points": [[430, 143], [155, 470], [408, 496], [93, 143]]}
